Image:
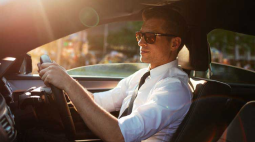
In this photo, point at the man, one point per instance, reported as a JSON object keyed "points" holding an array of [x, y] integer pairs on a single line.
{"points": [[162, 101]]}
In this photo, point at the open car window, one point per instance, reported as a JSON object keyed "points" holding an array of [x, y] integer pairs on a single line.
{"points": [[85, 52], [111, 51], [233, 58]]}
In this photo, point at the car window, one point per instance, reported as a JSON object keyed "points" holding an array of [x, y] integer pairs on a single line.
{"points": [[233, 57], [105, 44], [232, 48]]}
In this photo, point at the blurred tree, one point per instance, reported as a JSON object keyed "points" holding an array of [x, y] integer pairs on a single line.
{"points": [[121, 37], [96, 41], [125, 36], [227, 41]]}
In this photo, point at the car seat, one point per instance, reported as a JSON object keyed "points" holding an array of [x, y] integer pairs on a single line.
{"points": [[242, 128], [203, 122]]}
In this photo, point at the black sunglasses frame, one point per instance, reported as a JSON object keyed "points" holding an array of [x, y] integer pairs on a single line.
{"points": [[154, 37]]}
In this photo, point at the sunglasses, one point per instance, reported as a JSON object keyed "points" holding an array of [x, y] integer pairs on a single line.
{"points": [[149, 36]]}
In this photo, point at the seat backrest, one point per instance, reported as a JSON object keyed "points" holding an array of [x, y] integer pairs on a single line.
{"points": [[202, 122], [242, 128]]}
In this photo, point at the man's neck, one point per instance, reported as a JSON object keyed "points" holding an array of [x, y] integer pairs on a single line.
{"points": [[152, 66]]}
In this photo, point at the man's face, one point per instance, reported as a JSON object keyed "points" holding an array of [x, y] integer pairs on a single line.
{"points": [[157, 53]]}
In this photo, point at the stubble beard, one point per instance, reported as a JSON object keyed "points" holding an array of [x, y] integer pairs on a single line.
{"points": [[144, 59]]}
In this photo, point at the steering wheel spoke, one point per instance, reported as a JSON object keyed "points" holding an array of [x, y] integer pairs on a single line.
{"points": [[62, 106]]}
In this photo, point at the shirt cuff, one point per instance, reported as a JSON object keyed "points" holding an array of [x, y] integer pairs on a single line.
{"points": [[130, 131], [104, 99]]}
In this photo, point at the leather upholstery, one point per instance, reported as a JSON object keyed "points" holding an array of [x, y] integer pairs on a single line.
{"points": [[202, 122], [242, 128]]}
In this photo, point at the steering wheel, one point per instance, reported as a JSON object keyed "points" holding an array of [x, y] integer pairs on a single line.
{"points": [[62, 106]]}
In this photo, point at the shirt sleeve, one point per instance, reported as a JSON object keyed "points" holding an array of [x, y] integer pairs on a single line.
{"points": [[168, 102], [112, 100]]}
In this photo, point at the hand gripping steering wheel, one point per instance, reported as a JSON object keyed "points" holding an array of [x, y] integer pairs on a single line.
{"points": [[61, 104]]}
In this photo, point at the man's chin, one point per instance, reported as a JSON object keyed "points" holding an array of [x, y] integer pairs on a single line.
{"points": [[143, 60]]}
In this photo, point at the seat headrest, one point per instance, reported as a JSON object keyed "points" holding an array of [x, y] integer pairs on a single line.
{"points": [[195, 55]]}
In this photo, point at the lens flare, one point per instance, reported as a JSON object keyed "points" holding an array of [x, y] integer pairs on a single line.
{"points": [[45, 19], [89, 17]]}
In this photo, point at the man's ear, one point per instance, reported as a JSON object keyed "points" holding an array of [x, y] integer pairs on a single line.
{"points": [[176, 42]]}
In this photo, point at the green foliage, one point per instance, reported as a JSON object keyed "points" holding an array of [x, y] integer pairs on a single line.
{"points": [[96, 41], [122, 36], [125, 36], [227, 40]]}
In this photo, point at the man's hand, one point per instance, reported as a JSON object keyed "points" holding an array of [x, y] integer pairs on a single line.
{"points": [[52, 73], [98, 120]]}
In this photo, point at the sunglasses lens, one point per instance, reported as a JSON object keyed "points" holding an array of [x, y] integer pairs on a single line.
{"points": [[150, 38], [138, 36]]}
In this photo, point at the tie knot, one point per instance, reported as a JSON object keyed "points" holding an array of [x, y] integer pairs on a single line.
{"points": [[142, 80]]}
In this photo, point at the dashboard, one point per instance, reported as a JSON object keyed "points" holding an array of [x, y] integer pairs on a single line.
{"points": [[28, 111], [23, 111]]}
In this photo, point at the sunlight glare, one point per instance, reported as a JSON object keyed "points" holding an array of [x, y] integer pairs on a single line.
{"points": [[9, 59], [45, 20]]}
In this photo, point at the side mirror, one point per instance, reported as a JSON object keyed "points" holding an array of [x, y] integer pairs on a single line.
{"points": [[26, 66]]}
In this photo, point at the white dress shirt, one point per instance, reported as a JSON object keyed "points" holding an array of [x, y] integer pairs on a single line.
{"points": [[160, 106]]}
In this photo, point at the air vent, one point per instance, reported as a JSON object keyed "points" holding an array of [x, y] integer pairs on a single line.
{"points": [[7, 125]]}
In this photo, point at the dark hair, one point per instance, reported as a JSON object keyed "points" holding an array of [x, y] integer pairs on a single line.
{"points": [[174, 22]]}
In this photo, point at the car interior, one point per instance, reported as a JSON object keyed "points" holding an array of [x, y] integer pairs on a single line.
{"points": [[30, 111], [242, 126]]}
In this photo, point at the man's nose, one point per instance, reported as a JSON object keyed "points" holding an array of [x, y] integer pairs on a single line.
{"points": [[142, 42]]}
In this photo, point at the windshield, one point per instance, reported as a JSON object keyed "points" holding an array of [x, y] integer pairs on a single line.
{"points": [[111, 43], [94, 52]]}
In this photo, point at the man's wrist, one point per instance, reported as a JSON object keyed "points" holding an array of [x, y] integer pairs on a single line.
{"points": [[69, 84]]}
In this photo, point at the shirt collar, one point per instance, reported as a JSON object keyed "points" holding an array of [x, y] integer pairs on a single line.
{"points": [[162, 69]]}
